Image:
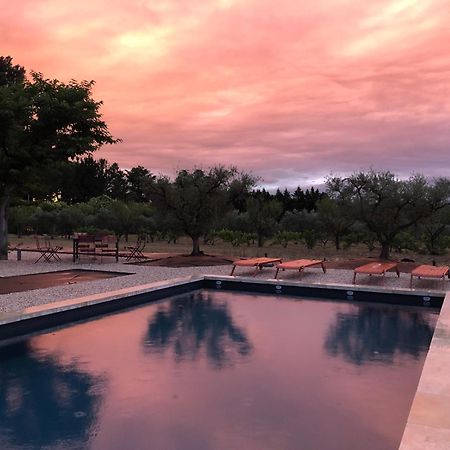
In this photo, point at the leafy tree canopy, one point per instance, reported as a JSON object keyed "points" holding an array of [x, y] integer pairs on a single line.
{"points": [[388, 205], [195, 199], [42, 122]]}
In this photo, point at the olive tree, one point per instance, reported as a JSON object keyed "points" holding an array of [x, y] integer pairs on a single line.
{"points": [[388, 205], [435, 231], [263, 216], [336, 218], [195, 199]]}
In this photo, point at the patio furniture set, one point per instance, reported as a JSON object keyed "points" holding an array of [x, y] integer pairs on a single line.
{"points": [[98, 246], [94, 247]]}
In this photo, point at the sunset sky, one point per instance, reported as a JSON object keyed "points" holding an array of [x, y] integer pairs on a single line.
{"points": [[289, 89]]}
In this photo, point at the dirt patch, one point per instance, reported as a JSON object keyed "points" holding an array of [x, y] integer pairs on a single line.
{"points": [[22, 283], [189, 261]]}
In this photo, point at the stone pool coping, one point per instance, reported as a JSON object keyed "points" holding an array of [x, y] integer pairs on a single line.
{"points": [[428, 424]]}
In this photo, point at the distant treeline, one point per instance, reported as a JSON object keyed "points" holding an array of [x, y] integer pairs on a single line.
{"points": [[80, 181]]}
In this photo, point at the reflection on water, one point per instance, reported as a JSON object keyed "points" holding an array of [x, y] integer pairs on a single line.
{"points": [[161, 388], [194, 323], [371, 334], [44, 403]]}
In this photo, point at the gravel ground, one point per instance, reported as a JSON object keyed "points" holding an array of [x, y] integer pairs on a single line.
{"points": [[146, 274]]}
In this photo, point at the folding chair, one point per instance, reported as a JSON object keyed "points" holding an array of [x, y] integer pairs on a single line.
{"points": [[135, 251], [43, 250], [52, 249]]}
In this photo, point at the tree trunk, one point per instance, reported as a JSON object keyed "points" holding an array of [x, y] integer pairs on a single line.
{"points": [[384, 250], [337, 241], [4, 204], [260, 239], [196, 246]]}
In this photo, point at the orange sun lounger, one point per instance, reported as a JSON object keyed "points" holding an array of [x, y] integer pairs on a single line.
{"points": [[300, 265], [258, 263], [375, 268], [426, 271]]}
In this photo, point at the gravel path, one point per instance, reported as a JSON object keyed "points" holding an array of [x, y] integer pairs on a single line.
{"points": [[146, 274]]}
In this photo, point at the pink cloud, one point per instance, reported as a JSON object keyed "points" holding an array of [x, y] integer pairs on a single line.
{"points": [[290, 90]]}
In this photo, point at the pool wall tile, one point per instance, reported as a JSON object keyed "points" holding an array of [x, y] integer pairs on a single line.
{"points": [[410, 297]]}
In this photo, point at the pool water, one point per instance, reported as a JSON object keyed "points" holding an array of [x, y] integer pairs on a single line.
{"points": [[218, 370]]}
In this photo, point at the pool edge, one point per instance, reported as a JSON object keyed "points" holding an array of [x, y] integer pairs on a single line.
{"points": [[429, 417], [57, 313], [428, 424]]}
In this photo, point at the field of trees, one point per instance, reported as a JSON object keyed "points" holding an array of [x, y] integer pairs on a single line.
{"points": [[410, 216]]}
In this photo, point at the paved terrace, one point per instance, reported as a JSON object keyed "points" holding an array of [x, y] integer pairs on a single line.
{"points": [[139, 275]]}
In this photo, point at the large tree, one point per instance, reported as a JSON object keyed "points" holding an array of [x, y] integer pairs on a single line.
{"points": [[435, 231], [387, 205], [195, 199], [42, 122]]}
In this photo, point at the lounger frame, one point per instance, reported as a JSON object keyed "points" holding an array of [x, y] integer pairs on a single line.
{"points": [[258, 263], [301, 266], [423, 274], [382, 269]]}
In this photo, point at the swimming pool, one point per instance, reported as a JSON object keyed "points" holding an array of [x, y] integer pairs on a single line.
{"points": [[218, 370]]}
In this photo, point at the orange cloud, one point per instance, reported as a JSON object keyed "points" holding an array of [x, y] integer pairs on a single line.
{"points": [[290, 90]]}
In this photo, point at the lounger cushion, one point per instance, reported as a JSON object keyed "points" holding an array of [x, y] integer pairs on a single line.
{"points": [[255, 261], [376, 268], [299, 263], [427, 271]]}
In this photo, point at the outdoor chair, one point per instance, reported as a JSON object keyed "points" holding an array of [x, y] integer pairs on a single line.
{"points": [[105, 245], [52, 249], [376, 268], [136, 251], [300, 265], [42, 247], [426, 271], [258, 263], [85, 246]]}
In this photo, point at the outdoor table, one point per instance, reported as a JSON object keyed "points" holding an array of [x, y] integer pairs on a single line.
{"points": [[76, 248]]}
